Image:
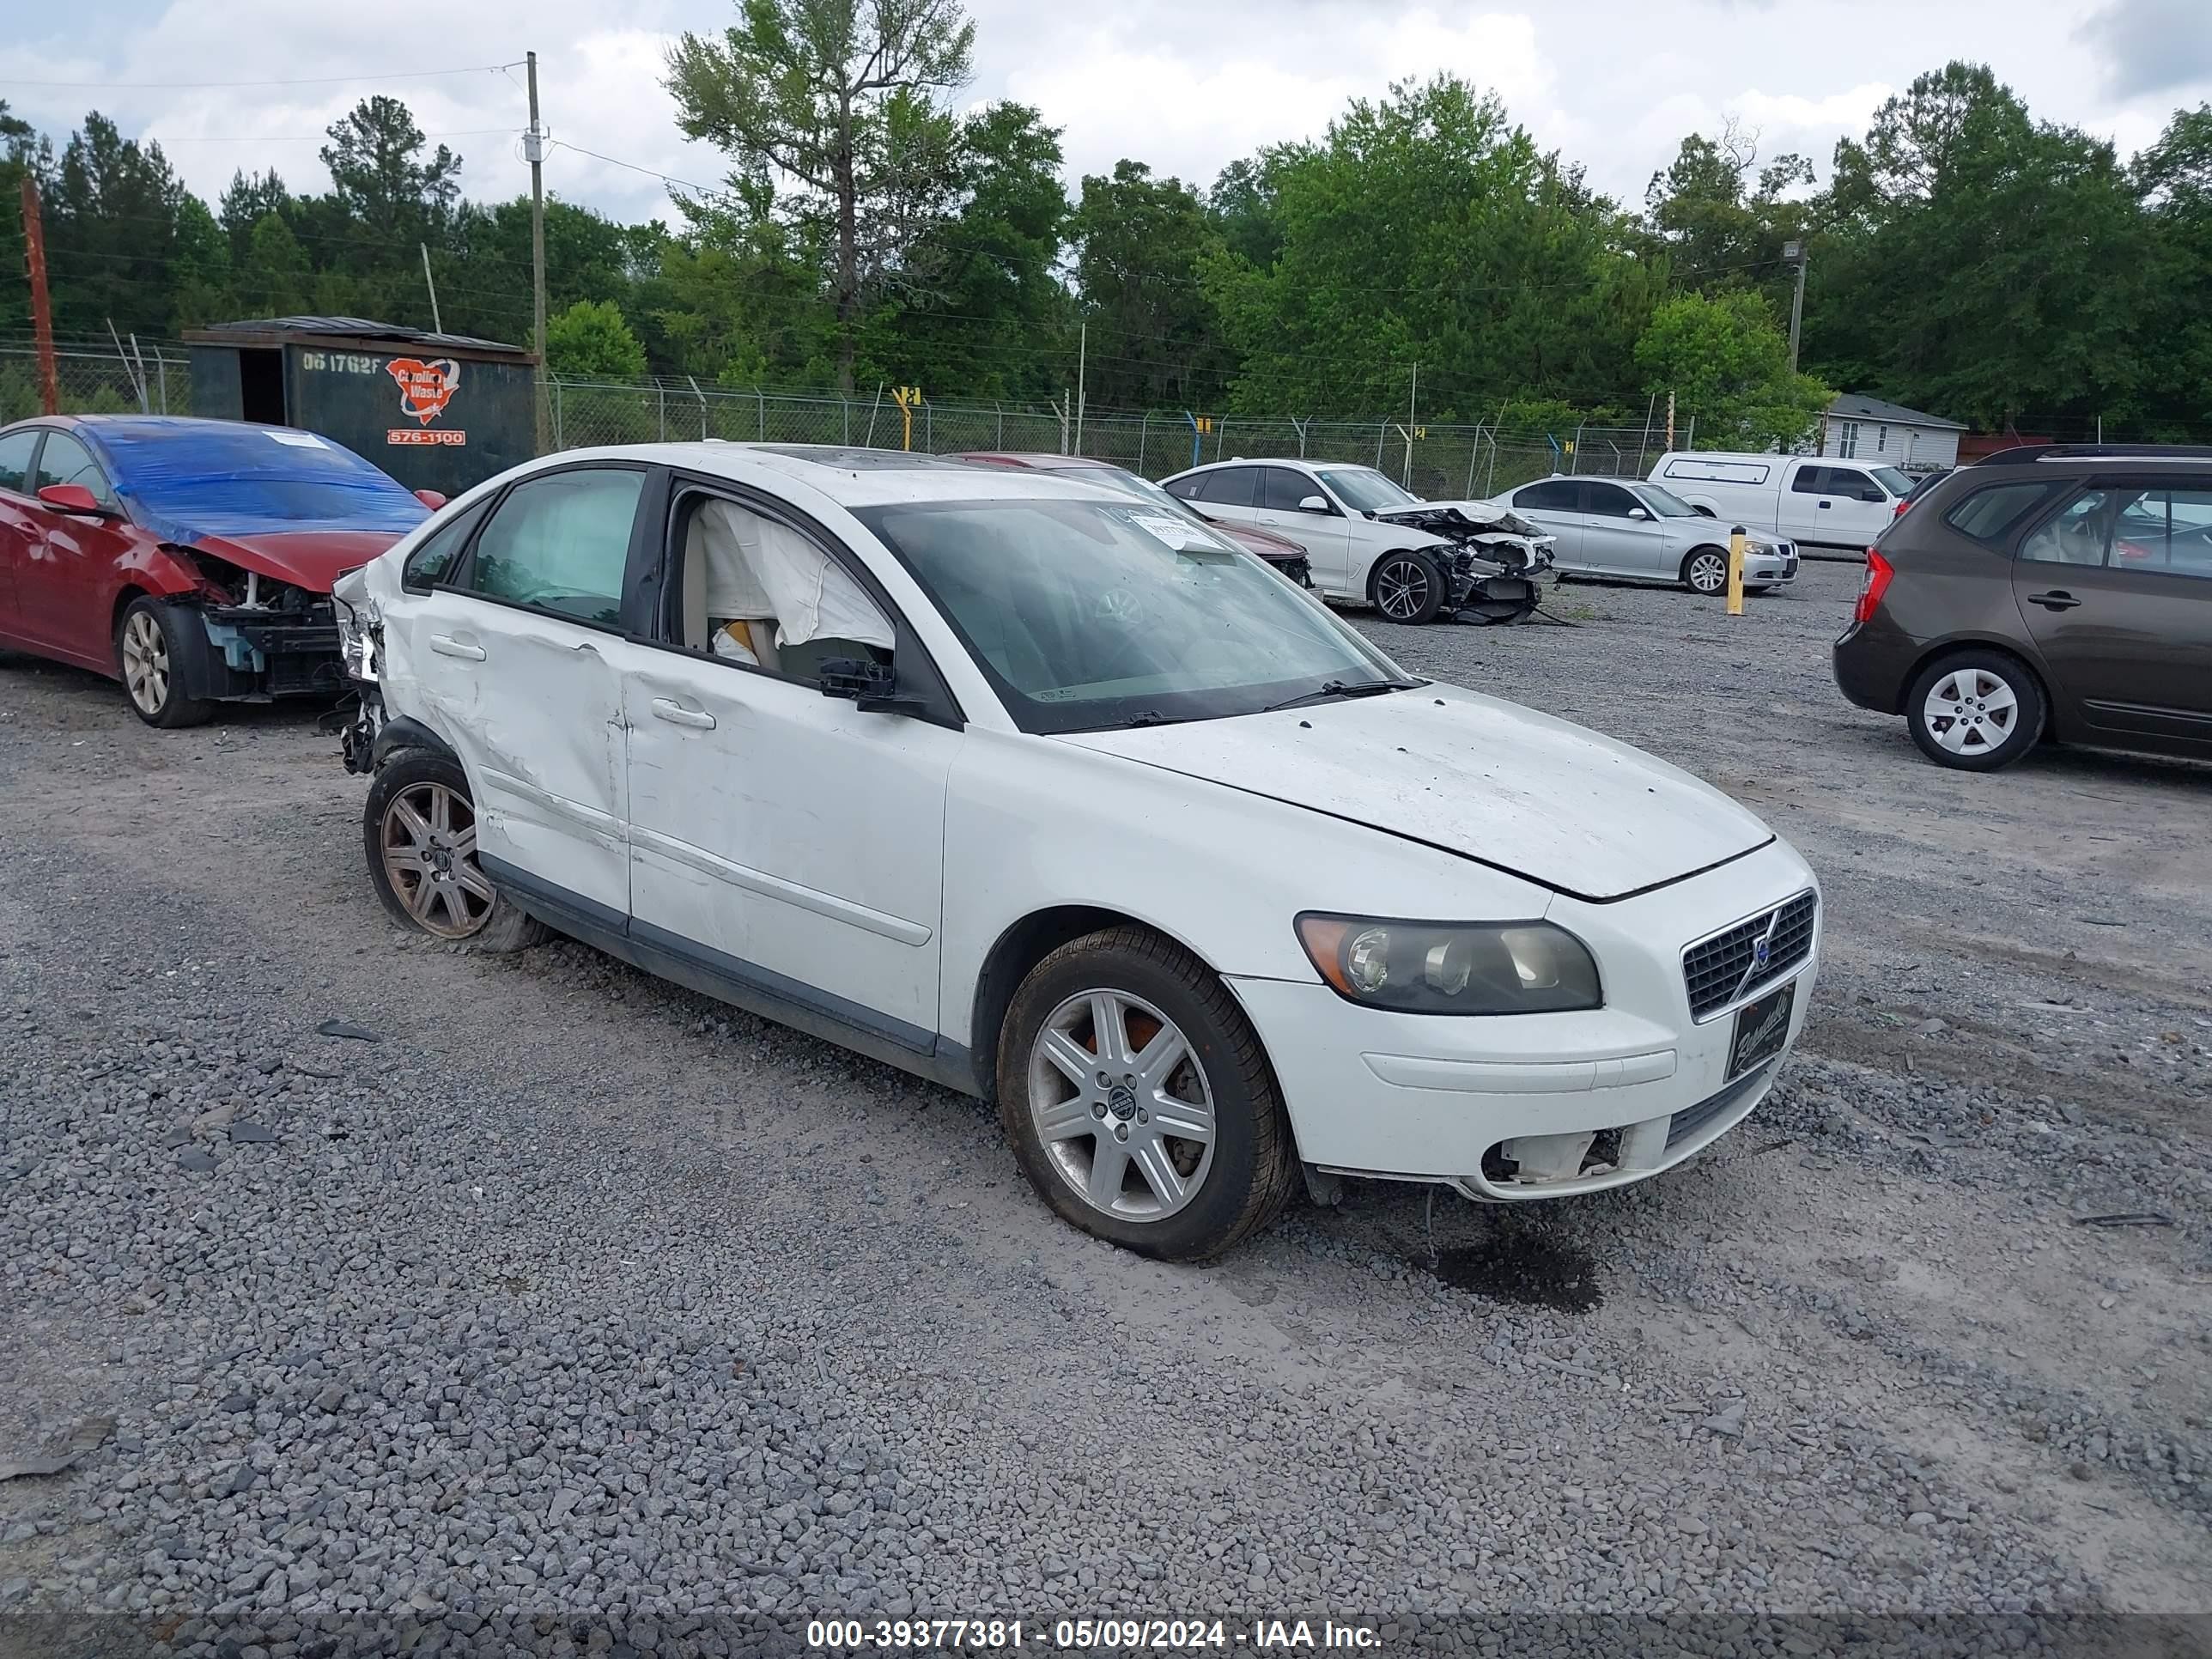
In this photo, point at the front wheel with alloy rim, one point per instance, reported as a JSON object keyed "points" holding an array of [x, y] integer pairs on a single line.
{"points": [[1706, 571], [1139, 1101], [1976, 710], [419, 827], [150, 653], [1407, 587]]}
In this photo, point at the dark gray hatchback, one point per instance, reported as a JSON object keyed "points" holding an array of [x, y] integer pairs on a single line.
{"points": [[2051, 591]]}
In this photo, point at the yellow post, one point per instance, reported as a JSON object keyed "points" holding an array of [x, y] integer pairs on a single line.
{"points": [[1736, 571], [908, 399]]}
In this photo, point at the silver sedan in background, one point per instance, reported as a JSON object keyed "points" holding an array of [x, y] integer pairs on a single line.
{"points": [[1632, 528]]}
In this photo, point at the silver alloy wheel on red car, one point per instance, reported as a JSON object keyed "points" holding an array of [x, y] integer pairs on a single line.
{"points": [[145, 663], [1121, 1105]]}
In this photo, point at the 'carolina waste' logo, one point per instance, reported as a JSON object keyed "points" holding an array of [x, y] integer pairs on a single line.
{"points": [[425, 389]]}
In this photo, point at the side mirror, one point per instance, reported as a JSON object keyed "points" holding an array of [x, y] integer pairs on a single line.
{"points": [[1637, 513], [431, 498], [72, 498], [871, 686], [1314, 504]]}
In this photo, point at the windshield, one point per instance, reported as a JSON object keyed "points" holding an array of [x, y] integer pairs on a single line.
{"points": [[1364, 489], [1893, 481], [1085, 615], [1664, 502]]}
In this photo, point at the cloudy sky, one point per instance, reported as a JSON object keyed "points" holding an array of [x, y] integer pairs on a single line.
{"points": [[1613, 83]]}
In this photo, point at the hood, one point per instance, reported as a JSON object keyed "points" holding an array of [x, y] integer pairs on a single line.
{"points": [[1491, 780], [1264, 543], [312, 559]]}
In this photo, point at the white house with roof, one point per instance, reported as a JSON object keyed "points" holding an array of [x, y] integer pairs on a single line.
{"points": [[1862, 428]]}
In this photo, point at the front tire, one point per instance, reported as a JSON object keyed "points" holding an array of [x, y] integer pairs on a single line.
{"points": [[419, 830], [1705, 570], [1139, 1101], [151, 653], [1975, 710], [1407, 587]]}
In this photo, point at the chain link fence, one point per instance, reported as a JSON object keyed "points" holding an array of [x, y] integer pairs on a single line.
{"points": [[1438, 462]]}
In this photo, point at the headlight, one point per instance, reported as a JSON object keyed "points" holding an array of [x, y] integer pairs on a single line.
{"points": [[1452, 968]]}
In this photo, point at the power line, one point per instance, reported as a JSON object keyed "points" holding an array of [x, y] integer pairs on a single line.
{"points": [[650, 173], [292, 81]]}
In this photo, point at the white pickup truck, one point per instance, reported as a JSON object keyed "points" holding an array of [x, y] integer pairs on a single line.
{"points": [[1803, 498]]}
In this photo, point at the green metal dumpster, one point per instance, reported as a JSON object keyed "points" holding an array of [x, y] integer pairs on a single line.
{"points": [[437, 411]]}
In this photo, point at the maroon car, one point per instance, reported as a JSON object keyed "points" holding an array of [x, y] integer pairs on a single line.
{"points": [[192, 560], [1280, 552]]}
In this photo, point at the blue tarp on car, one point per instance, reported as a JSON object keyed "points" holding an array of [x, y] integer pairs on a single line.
{"points": [[184, 478]]}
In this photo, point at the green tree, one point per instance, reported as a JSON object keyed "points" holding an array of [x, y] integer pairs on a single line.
{"points": [[111, 207], [1726, 361], [984, 310], [839, 98], [379, 174], [1242, 205], [275, 278], [1720, 224], [1979, 263], [1156, 335], [591, 340], [1426, 228], [2174, 177], [18, 153]]}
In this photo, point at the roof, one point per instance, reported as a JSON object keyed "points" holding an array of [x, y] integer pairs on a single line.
{"points": [[1040, 460], [854, 476], [1857, 406], [184, 478], [350, 328]]}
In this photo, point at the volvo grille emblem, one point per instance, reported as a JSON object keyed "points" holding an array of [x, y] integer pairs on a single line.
{"points": [[1762, 953]]}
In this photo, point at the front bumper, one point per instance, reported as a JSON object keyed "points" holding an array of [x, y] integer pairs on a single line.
{"points": [[1771, 567], [1435, 1099], [255, 654]]}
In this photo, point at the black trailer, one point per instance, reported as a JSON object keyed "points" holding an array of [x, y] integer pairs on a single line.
{"points": [[437, 411]]}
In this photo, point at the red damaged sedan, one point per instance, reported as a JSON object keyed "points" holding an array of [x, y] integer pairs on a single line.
{"points": [[192, 559]]}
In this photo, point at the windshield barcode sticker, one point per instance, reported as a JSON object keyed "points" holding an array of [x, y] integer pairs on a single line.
{"points": [[1176, 532]]}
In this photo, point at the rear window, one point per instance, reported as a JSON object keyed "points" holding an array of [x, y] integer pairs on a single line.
{"points": [[1988, 516]]}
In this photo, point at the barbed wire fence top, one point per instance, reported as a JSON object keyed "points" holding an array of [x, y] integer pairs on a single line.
{"points": [[1435, 460]]}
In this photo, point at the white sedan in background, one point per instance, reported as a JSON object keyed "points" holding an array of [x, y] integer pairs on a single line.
{"points": [[1064, 801], [1642, 531]]}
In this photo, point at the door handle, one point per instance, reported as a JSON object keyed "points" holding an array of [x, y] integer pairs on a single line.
{"points": [[668, 708], [1824, 506], [2057, 599], [447, 646]]}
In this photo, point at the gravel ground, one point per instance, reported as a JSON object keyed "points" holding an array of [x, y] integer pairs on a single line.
{"points": [[575, 1312]]}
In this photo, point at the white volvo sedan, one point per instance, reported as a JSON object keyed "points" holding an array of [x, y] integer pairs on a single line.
{"points": [[1063, 801]]}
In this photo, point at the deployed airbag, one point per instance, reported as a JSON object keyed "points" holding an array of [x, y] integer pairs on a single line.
{"points": [[757, 569]]}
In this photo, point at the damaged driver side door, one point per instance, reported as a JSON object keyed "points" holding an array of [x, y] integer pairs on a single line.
{"points": [[515, 658]]}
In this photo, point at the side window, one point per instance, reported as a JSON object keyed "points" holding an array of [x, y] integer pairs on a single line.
{"points": [[1282, 490], [432, 561], [1188, 490], [1553, 496], [758, 593], [1853, 485], [2168, 531], [1606, 501], [559, 543], [65, 460], [2080, 533], [1810, 480], [1232, 486], [1988, 515], [16, 459]]}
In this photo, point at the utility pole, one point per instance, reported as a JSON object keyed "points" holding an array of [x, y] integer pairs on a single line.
{"points": [[1670, 421], [533, 147], [1082, 360], [431, 282], [42, 315], [1413, 405], [1796, 250]]}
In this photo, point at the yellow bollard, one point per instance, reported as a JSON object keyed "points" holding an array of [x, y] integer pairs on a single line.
{"points": [[1736, 571]]}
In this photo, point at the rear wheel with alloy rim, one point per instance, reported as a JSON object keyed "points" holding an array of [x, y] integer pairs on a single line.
{"points": [[1706, 571], [149, 652], [419, 827], [1138, 1098], [1976, 710], [1407, 587]]}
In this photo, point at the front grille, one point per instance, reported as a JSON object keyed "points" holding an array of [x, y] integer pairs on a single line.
{"points": [[1718, 970]]}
